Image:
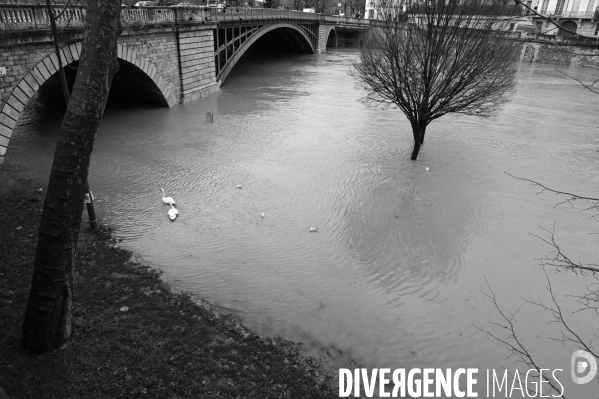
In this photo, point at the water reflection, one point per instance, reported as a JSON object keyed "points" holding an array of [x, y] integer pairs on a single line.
{"points": [[395, 272]]}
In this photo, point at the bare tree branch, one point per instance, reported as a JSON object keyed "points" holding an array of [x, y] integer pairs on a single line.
{"points": [[572, 197], [514, 343], [569, 335], [589, 87], [562, 261]]}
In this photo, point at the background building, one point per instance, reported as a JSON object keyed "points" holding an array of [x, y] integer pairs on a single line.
{"points": [[580, 16], [565, 8], [374, 9]]}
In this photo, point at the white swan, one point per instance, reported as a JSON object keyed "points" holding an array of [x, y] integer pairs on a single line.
{"points": [[313, 229], [167, 200], [173, 212], [262, 214], [239, 186]]}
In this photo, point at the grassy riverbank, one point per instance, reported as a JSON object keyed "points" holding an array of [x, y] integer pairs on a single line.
{"points": [[163, 346]]}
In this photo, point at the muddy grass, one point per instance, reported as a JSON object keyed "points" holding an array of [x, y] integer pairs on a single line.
{"points": [[163, 345]]}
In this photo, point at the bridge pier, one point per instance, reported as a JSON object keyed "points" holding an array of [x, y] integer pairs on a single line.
{"points": [[323, 36], [197, 77]]}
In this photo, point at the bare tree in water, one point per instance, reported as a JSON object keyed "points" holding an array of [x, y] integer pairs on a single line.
{"points": [[430, 58], [47, 321]]}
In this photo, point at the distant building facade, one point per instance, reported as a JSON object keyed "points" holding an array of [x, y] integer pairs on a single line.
{"points": [[565, 8], [579, 16], [375, 9]]}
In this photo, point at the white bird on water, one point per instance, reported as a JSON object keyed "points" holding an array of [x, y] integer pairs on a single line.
{"points": [[173, 212], [262, 214], [167, 200], [313, 229], [239, 186]]}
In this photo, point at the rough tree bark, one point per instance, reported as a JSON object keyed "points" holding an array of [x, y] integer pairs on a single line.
{"points": [[418, 129], [47, 322]]}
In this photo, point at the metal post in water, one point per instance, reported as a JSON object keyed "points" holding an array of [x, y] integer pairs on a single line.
{"points": [[210, 116], [89, 202]]}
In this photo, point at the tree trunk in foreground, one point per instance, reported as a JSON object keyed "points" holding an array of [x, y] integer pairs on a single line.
{"points": [[47, 322]]}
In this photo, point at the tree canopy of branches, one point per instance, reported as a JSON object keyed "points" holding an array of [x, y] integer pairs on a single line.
{"points": [[47, 321], [430, 58], [271, 3]]}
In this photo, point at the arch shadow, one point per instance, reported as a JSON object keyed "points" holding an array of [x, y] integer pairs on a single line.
{"points": [[291, 37], [158, 90], [332, 38]]}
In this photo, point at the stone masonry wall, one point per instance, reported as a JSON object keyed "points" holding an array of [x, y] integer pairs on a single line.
{"points": [[545, 53], [321, 41], [198, 72], [18, 60], [160, 48]]}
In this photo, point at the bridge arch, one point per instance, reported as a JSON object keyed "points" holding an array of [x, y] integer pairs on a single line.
{"points": [[331, 37], [44, 69], [297, 38]]}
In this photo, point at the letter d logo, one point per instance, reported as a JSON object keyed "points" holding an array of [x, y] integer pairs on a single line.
{"points": [[583, 363]]}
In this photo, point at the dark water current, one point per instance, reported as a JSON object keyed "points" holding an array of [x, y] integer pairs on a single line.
{"points": [[396, 271]]}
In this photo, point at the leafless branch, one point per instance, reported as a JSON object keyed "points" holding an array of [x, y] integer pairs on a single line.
{"points": [[591, 87], [562, 261], [568, 335], [513, 342], [572, 198]]}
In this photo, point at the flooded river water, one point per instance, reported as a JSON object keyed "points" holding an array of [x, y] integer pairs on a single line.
{"points": [[398, 269]]}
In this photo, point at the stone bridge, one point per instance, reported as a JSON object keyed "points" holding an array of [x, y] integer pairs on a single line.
{"points": [[167, 55]]}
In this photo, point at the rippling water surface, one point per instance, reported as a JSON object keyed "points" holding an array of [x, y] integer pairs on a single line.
{"points": [[397, 271]]}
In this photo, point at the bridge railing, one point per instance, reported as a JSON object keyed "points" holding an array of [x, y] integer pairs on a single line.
{"points": [[235, 13], [148, 14], [35, 16]]}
